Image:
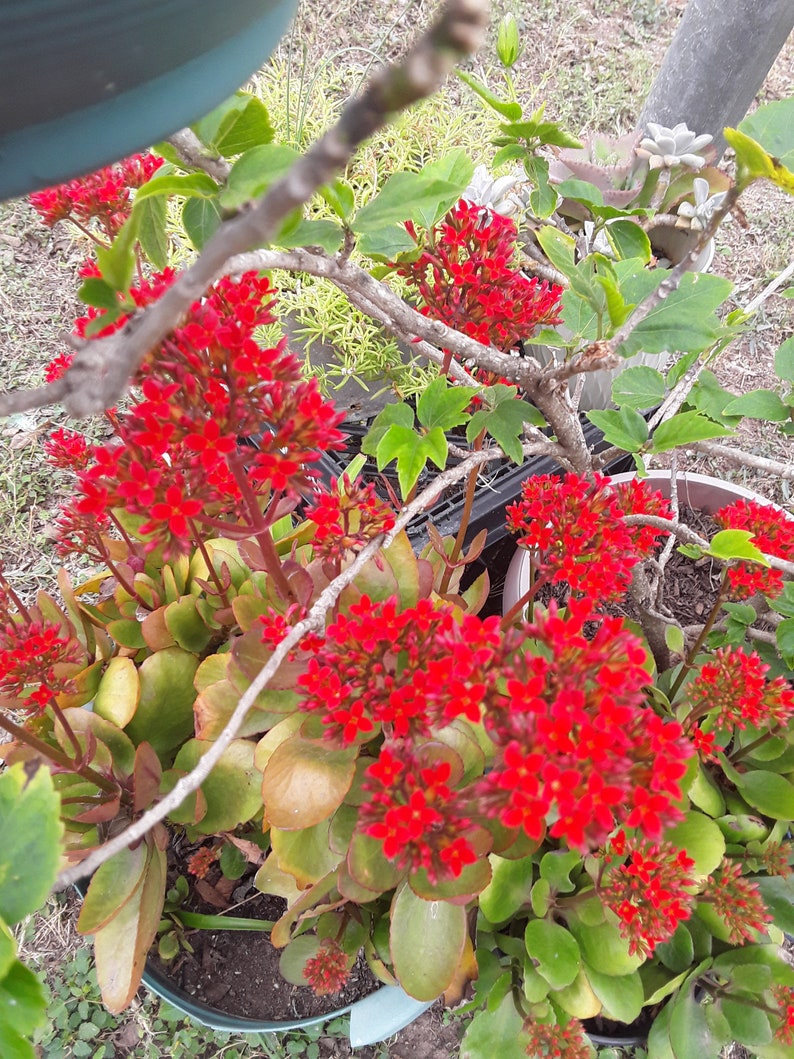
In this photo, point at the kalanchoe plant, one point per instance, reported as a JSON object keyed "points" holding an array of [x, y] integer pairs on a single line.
{"points": [[567, 813]]}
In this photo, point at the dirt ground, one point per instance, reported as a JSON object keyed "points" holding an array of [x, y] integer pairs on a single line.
{"points": [[593, 60]]}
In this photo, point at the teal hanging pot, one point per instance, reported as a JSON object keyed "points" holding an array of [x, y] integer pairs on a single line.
{"points": [[86, 82]]}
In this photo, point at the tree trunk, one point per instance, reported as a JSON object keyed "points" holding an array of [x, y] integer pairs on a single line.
{"points": [[716, 63]]}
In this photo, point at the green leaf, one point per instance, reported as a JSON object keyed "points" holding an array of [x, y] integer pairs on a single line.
{"points": [[627, 240], [683, 429], [437, 929], [622, 996], [200, 219], [747, 1023], [543, 198], [545, 132], [581, 191], [254, 172], [400, 414], [503, 416], [777, 892], [340, 197], [118, 693], [386, 243], [233, 790], [320, 232], [152, 231], [559, 248], [95, 291], [771, 794], [678, 953], [117, 262], [407, 196], [443, 406], [772, 126], [556, 866], [702, 840], [554, 950], [735, 544], [112, 885], [23, 1002], [304, 782], [238, 124], [507, 109], [232, 861], [164, 716], [455, 169], [509, 888], [188, 185], [603, 948], [691, 1036], [623, 427], [709, 397], [411, 451], [759, 404], [685, 320], [638, 387], [495, 1032], [784, 359], [186, 625], [784, 635], [30, 840]]}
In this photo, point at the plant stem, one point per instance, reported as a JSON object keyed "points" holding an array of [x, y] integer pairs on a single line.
{"points": [[693, 653], [528, 596], [57, 756], [213, 573], [471, 490]]}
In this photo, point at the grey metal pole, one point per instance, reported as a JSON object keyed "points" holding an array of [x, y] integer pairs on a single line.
{"points": [[716, 63]]}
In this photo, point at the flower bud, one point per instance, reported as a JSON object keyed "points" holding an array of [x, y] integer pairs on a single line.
{"points": [[508, 45]]}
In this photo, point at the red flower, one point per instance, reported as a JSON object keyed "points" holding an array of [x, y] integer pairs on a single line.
{"points": [[784, 998], [201, 861], [67, 450], [738, 902], [328, 971], [347, 517], [734, 691], [547, 1040], [648, 893], [772, 533], [578, 533], [466, 277]]}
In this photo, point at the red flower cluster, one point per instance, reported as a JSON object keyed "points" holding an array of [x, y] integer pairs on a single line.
{"points": [[414, 812], [103, 196], [784, 998], [347, 517], [32, 656], [327, 972], [648, 892], [579, 534], [574, 734], [67, 450], [551, 1041], [773, 534], [738, 902], [209, 383], [733, 689], [466, 278], [201, 861]]}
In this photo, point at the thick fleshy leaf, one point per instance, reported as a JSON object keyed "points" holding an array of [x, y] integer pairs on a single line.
{"points": [[23, 1005], [508, 889], [120, 948], [118, 692], [702, 840], [164, 716], [185, 625], [578, 998], [604, 949], [304, 782], [691, 1036], [270, 879], [621, 996], [31, 835], [232, 789], [307, 854], [777, 892], [147, 775], [427, 939], [369, 867], [111, 744], [471, 881], [292, 960], [112, 885], [282, 731], [771, 794], [495, 1032], [554, 951]]}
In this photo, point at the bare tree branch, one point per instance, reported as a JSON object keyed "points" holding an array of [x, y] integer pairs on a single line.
{"points": [[102, 367], [194, 154], [740, 458]]}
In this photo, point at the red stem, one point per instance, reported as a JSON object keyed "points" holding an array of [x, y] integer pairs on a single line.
{"points": [[58, 757]]}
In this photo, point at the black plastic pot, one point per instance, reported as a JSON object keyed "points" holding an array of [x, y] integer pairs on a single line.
{"points": [[85, 82]]}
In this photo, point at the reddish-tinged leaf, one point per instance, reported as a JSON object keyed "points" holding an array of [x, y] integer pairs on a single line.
{"points": [[146, 777], [305, 782], [113, 884], [106, 809]]}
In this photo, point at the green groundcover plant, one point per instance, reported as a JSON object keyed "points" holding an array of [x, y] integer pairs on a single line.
{"points": [[557, 813]]}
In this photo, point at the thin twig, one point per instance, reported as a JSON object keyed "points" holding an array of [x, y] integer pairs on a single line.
{"points": [[740, 458]]}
